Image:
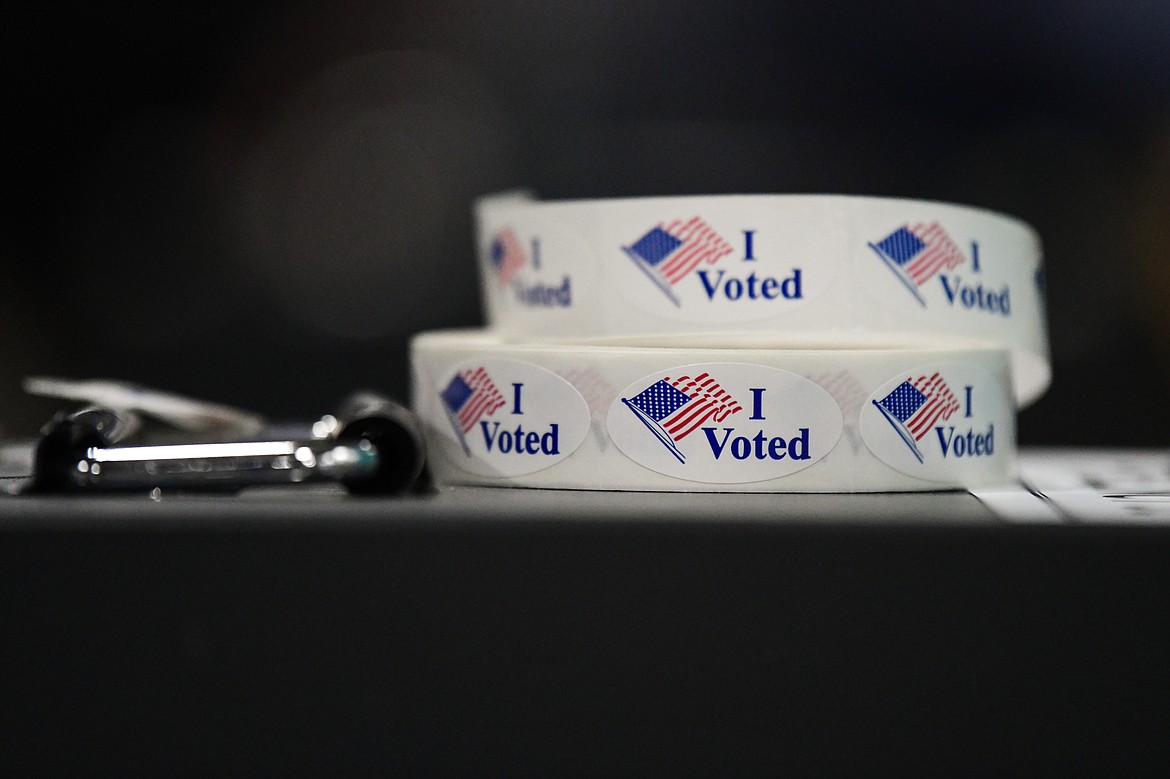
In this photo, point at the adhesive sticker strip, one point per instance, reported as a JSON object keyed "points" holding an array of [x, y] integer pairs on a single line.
{"points": [[814, 267], [730, 419]]}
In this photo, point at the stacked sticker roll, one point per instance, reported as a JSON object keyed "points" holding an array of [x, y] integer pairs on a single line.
{"points": [[739, 343]]}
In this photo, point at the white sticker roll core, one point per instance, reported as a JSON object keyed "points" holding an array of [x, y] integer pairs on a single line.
{"points": [[808, 267], [724, 418]]}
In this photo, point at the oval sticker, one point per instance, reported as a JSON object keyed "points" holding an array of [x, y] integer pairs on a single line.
{"points": [[724, 423], [508, 418], [949, 422], [535, 269], [937, 269], [724, 263]]}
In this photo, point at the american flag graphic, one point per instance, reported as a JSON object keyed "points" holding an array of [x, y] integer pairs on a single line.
{"points": [[672, 410], [917, 253], [844, 388], [669, 252], [507, 255], [470, 396], [915, 405], [598, 394], [593, 386]]}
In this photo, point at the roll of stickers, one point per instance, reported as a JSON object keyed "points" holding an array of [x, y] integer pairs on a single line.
{"points": [[711, 418], [768, 267]]}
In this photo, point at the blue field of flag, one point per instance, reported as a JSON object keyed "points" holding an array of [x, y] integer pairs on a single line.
{"points": [[901, 246], [660, 400], [904, 401], [456, 394], [655, 246]]}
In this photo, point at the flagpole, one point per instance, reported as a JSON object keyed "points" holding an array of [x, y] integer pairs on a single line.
{"points": [[657, 431], [458, 428], [906, 437], [662, 283], [898, 272]]}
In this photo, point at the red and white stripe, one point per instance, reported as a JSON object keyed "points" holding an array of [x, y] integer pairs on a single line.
{"points": [[700, 244], [940, 253], [940, 404], [843, 388], [484, 399], [709, 401], [598, 392], [513, 257]]}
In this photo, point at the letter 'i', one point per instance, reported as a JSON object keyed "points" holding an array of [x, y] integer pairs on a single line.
{"points": [[757, 394], [748, 244], [516, 386], [968, 415]]}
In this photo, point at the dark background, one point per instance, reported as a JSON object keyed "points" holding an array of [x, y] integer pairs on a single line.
{"points": [[260, 203]]}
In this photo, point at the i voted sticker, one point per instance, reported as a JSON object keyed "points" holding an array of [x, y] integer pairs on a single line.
{"points": [[724, 423], [931, 265], [533, 268], [944, 423], [509, 418], [717, 264]]}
